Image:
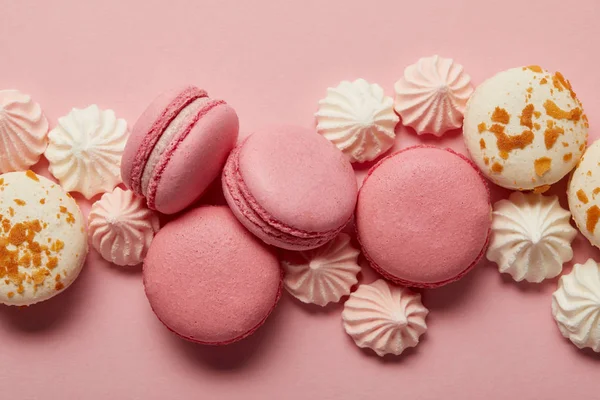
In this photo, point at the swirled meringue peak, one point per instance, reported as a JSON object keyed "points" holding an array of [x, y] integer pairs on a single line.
{"points": [[85, 150], [121, 227], [23, 131], [576, 305], [322, 275], [359, 119], [531, 237], [432, 95], [385, 318]]}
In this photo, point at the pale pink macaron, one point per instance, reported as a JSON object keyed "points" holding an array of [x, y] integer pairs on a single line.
{"points": [[208, 279], [290, 187], [178, 147], [423, 216]]}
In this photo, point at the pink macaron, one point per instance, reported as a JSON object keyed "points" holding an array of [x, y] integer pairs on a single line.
{"points": [[423, 216], [178, 147], [208, 279], [290, 187]]}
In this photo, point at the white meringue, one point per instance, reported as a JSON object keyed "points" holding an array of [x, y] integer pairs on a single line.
{"points": [[359, 119], [121, 227], [322, 275], [387, 319], [531, 237], [432, 95], [576, 305], [85, 150], [23, 130]]}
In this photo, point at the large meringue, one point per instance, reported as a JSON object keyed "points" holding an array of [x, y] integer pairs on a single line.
{"points": [[531, 237], [359, 119], [432, 95], [322, 275], [576, 305], [85, 150], [121, 227], [385, 318], [23, 130]]}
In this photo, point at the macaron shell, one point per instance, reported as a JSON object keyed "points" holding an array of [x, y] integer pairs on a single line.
{"points": [[298, 177], [210, 280], [197, 160], [423, 216]]}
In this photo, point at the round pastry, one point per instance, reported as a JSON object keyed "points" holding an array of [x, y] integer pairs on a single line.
{"points": [[525, 128], [423, 216], [531, 237], [290, 187], [208, 279], [121, 227], [178, 147], [359, 119], [432, 95], [576, 305], [43, 244], [322, 275], [85, 150], [583, 194], [23, 131], [385, 318]]}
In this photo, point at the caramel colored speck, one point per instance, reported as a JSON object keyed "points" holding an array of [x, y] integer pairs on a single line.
{"points": [[486, 160], [501, 116], [32, 175], [559, 82], [497, 168], [593, 214], [503, 155], [567, 157], [59, 286], [508, 143], [542, 165], [19, 202], [534, 68], [556, 112], [537, 126], [551, 134], [565, 144], [543, 81], [482, 144], [582, 196], [582, 147], [42, 201], [11, 211], [589, 173], [595, 192], [527, 116], [541, 189], [52, 262], [10, 295]]}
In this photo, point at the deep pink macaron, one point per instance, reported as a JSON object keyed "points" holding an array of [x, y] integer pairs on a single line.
{"points": [[178, 147], [290, 187], [208, 279], [423, 216]]}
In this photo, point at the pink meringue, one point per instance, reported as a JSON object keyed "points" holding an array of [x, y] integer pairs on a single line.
{"points": [[322, 275], [385, 318], [23, 131], [432, 95], [121, 227]]}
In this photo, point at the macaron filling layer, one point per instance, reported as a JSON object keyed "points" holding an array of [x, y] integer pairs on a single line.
{"points": [[150, 140], [246, 204], [182, 120]]}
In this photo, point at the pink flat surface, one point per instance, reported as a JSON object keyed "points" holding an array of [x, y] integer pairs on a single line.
{"points": [[488, 337]]}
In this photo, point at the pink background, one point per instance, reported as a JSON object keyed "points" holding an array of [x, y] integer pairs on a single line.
{"points": [[489, 338]]}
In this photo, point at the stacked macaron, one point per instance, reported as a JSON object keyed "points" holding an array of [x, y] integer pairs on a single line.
{"points": [[422, 217]]}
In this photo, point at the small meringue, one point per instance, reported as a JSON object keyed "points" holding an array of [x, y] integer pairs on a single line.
{"points": [[432, 95], [359, 119]]}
